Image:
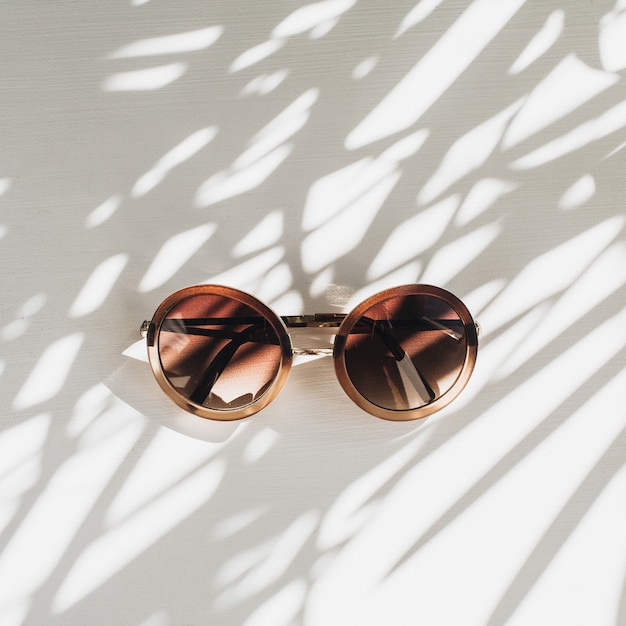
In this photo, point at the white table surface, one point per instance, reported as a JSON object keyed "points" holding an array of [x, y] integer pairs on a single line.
{"points": [[311, 154]]}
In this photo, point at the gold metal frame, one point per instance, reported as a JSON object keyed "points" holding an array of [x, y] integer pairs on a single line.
{"points": [[344, 322]]}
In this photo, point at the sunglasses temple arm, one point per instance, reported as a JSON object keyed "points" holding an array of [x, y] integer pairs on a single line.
{"points": [[442, 327], [213, 372], [219, 363], [406, 367], [190, 326], [405, 364]]}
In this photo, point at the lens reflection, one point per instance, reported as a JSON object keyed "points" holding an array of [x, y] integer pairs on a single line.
{"points": [[218, 352], [406, 352]]}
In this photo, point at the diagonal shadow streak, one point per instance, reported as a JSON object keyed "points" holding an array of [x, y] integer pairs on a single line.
{"points": [[42, 598], [561, 528], [621, 612], [609, 462]]}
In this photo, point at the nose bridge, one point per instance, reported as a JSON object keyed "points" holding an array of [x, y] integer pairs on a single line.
{"points": [[312, 351], [312, 339], [315, 320]]}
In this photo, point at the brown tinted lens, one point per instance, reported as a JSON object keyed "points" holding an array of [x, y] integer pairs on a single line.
{"points": [[218, 352], [406, 352]]}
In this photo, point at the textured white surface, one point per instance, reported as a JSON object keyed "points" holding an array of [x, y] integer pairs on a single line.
{"points": [[313, 153]]}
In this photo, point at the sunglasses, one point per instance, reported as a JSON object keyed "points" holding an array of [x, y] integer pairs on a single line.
{"points": [[401, 354]]}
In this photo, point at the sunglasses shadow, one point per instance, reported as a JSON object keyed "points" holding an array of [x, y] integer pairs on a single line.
{"points": [[134, 384], [311, 404]]}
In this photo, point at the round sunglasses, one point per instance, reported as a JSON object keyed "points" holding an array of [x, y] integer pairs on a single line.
{"points": [[401, 354]]}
